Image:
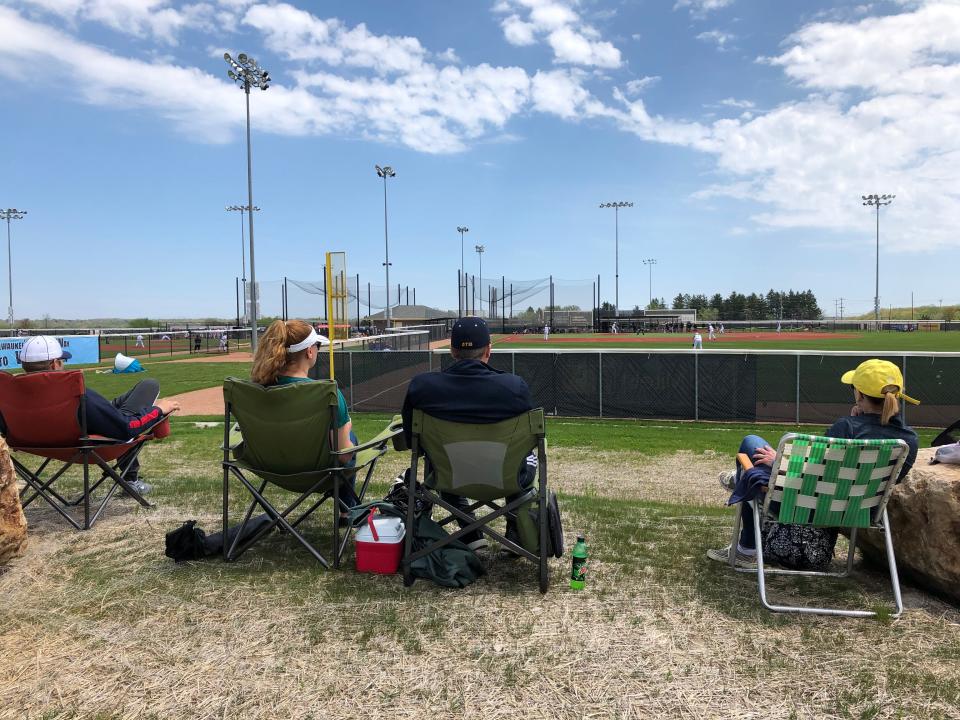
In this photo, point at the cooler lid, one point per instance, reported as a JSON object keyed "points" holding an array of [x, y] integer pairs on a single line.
{"points": [[389, 530]]}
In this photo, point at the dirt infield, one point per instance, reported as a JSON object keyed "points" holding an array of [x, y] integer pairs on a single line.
{"points": [[660, 338]]}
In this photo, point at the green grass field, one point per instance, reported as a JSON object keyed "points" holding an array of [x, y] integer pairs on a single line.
{"points": [[885, 341]]}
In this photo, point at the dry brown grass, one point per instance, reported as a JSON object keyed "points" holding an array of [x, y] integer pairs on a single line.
{"points": [[100, 624]]}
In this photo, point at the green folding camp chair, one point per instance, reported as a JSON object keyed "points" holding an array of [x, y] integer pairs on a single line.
{"points": [[480, 462], [283, 436], [830, 483]]}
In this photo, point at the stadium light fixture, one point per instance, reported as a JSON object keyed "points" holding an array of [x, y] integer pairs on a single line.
{"points": [[386, 172], [616, 239], [243, 250], [463, 277], [480, 250], [247, 74], [877, 201], [650, 262], [8, 215]]}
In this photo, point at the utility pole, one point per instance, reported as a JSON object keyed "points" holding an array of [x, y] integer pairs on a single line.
{"points": [[8, 215], [616, 239], [386, 172]]}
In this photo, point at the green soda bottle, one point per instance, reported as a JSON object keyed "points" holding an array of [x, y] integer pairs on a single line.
{"points": [[578, 571]]}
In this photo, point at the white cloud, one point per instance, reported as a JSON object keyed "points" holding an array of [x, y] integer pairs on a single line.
{"points": [[635, 87], [718, 37], [297, 35], [573, 42], [700, 8], [140, 18], [740, 104], [448, 56], [882, 115]]}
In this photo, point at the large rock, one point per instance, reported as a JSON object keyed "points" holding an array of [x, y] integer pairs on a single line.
{"points": [[924, 515], [13, 525]]}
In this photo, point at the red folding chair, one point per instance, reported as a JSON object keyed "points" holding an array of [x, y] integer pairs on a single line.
{"points": [[45, 414]]}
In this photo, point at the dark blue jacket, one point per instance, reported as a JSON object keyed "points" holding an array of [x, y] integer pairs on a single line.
{"points": [[105, 419], [468, 391]]}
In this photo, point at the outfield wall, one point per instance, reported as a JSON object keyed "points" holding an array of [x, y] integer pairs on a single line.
{"points": [[716, 385]]}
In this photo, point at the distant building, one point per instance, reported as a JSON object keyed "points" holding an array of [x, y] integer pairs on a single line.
{"points": [[407, 315]]}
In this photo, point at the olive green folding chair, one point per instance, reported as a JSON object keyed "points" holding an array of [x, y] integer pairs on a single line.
{"points": [[480, 462], [829, 483], [283, 436]]}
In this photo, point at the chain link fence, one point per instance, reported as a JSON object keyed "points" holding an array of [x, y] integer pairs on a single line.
{"points": [[741, 386]]}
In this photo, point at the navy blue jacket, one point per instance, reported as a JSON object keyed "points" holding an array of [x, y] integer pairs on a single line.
{"points": [[469, 391], [105, 419]]}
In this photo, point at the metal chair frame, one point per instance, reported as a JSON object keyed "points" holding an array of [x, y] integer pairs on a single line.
{"points": [[508, 508], [763, 514], [236, 548]]}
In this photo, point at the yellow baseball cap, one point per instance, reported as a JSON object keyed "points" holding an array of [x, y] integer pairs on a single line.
{"points": [[872, 376]]}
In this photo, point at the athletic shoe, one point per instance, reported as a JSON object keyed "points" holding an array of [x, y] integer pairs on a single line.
{"points": [[140, 486], [743, 560], [728, 479]]}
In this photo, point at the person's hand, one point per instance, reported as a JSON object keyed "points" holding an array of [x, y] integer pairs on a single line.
{"points": [[168, 406], [764, 455]]}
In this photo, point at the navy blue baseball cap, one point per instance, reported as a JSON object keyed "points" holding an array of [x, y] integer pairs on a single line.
{"points": [[469, 333]]}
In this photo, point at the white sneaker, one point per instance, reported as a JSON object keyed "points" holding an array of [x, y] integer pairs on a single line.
{"points": [[728, 479], [743, 560]]}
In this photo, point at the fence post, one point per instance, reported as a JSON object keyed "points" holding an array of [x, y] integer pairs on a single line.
{"points": [[903, 404], [429, 360], [350, 363], [798, 389], [149, 344], [696, 386], [513, 362], [600, 379]]}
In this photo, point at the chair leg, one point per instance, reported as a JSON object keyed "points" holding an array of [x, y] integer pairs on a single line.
{"points": [[735, 540], [544, 568], [892, 562], [851, 553], [86, 492], [226, 519], [411, 505], [336, 521]]}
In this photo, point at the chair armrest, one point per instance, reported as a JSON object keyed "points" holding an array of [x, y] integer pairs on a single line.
{"points": [[394, 427], [745, 462], [105, 440]]}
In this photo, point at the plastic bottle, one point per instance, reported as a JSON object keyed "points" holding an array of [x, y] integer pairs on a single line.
{"points": [[578, 570]]}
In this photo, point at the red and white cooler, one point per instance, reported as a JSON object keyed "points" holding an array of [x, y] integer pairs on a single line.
{"points": [[380, 544]]}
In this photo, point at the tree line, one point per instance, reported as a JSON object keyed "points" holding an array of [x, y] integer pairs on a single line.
{"points": [[774, 305]]}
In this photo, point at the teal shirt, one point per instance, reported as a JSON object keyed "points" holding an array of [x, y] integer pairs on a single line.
{"points": [[343, 415]]}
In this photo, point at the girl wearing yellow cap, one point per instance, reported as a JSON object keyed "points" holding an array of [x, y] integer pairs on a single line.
{"points": [[875, 415]]}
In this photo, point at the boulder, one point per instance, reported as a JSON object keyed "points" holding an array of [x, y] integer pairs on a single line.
{"points": [[924, 513], [13, 525]]}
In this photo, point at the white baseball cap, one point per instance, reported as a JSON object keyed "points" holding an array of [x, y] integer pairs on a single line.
{"points": [[42, 348]]}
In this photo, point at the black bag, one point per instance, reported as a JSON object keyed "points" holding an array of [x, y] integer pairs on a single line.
{"points": [[799, 547], [453, 565], [186, 543], [946, 437], [189, 542]]}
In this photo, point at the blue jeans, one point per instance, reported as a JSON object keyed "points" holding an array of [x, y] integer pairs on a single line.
{"points": [[748, 537]]}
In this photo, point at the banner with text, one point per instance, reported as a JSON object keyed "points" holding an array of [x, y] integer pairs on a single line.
{"points": [[84, 350]]}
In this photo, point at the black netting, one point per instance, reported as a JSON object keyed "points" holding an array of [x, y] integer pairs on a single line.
{"points": [[737, 387], [727, 387], [648, 385], [933, 381], [776, 388]]}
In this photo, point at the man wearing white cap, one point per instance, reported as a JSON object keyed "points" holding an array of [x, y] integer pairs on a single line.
{"points": [[122, 418]]}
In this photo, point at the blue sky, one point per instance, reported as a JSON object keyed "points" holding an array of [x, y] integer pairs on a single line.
{"points": [[744, 132]]}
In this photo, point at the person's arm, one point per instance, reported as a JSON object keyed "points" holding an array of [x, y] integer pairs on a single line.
{"points": [[344, 426]]}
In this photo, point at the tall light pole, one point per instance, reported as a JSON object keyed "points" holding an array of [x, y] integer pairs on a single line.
{"points": [[247, 74], [243, 251], [463, 278], [386, 172], [616, 226], [650, 262], [8, 215], [480, 250], [876, 201]]}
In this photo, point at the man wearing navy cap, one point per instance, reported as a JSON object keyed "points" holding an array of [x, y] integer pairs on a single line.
{"points": [[123, 418], [469, 391]]}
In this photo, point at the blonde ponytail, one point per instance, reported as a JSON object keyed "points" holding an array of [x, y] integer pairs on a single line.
{"points": [[891, 406], [272, 356]]}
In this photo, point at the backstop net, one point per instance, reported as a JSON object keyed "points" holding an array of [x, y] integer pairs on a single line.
{"points": [[512, 305]]}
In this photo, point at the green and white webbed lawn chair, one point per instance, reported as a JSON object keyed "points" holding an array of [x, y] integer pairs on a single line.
{"points": [[480, 462], [284, 436], [829, 483]]}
